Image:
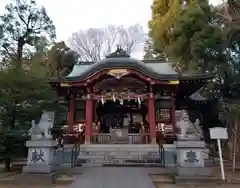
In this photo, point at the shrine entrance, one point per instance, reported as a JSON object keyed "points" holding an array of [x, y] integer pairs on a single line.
{"points": [[125, 114], [121, 106]]}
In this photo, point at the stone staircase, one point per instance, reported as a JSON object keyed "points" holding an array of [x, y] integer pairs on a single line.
{"points": [[123, 155], [120, 155]]}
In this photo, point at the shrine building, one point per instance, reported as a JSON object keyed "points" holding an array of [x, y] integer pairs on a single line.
{"points": [[122, 93]]}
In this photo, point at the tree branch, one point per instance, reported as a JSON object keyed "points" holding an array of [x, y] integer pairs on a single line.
{"points": [[22, 19], [95, 44]]}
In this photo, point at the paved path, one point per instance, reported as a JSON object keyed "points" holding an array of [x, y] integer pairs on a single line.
{"points": [[113, 177]]}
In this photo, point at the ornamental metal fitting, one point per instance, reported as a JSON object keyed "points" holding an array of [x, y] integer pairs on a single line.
{"points": [[151, 95], [88, 96]]}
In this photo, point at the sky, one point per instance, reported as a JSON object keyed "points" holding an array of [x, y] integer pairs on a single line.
{"points": [[71, 15]]}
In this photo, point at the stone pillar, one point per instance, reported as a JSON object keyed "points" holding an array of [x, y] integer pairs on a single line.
{"points": [[89, 117], [190, 160], [71, 113], [151, 118], [41, 162]]}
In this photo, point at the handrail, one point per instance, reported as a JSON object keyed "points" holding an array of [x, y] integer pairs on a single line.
{"points": [[74, 154], [161, 151]]}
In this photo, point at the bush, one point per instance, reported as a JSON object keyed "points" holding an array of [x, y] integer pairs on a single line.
{"points": [[12, 146]]}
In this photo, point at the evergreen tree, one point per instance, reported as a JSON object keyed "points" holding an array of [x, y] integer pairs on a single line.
{"points": [[22, 26], [190, 35]]}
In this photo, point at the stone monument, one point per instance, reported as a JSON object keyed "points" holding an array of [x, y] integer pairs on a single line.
{"points": [[189, 148], [40, 159]]}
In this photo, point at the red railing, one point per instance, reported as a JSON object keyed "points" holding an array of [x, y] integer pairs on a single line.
{"points": [[163, 135]]}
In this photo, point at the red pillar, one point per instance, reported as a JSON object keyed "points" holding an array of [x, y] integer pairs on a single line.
{"points": [[71, 113], [151, 118], [173, 114], [89, 117]]}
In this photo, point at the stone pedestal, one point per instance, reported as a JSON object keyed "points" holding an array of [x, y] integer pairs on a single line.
{"points": [[40, 157], [188, 137], [190, 159]]}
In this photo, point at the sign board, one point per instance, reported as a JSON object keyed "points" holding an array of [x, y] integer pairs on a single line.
{"points": [[218, 133]]}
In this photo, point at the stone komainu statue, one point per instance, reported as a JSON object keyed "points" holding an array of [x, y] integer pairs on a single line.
{"points": [[185, 126], [42, 130]]}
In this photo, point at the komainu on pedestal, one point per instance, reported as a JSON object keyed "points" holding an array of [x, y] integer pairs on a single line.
{"points": [[40, 161]]}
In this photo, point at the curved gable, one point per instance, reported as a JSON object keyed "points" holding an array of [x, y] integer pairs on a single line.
{"points": [[153, 69], [161, 71]]}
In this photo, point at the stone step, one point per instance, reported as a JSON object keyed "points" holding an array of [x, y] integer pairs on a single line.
{"points": [[216, 163], [106, 154], [119, 161], [120, 165], [126, 152], [123, 160], [114, 153], [119, 147], [210, 161], [184, 181], [120, 157]]}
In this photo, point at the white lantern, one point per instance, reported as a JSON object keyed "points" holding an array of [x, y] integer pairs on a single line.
{"points": [[113, 97], [102, 100]]}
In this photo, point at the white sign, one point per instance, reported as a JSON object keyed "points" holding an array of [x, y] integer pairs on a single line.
{"points": [[218, 133]]}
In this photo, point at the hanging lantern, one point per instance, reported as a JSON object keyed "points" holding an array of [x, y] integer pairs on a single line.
{"points": [[102, 100], [121, 101], [113, 98], [139, 101]]}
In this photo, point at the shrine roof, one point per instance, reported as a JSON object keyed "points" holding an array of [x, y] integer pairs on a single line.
{"points": [[156, 69], [197, 96]]}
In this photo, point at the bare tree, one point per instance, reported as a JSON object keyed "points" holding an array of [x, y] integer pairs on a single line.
{"points": [[94, 44], [150, 53], [229, 11]]}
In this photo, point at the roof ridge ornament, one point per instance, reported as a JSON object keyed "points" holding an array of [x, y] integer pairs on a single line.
{"points": [[119, 53]]}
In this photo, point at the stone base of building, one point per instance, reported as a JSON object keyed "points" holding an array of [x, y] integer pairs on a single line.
{"points": [[193, 172], [196, 179], [36, 178], [41, 169]]}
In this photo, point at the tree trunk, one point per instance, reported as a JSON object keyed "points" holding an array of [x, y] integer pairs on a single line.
{"points": [[235, 145], [13, 120], [7, 164], [19, 53], [229, 150]]}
